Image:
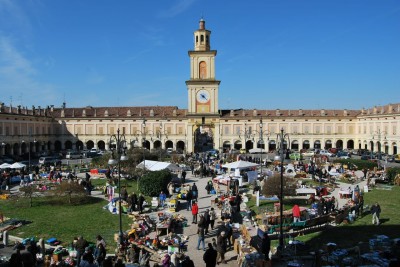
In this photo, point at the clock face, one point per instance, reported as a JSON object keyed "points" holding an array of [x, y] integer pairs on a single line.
{"points": [[203, 96]]}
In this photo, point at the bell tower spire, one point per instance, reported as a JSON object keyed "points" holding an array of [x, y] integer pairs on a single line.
{"points": [[202, 37]]}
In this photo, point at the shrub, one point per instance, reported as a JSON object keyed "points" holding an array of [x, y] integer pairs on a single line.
{"points": [[153, 183], [391, 173]]}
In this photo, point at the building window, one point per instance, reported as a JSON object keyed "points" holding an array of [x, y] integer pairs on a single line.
{"points": [[79, 130], [317, 129], [203, 70], [101, 131], [16, 132], [169, 130], [180, 130], [237, 130], [123, 130], [365, 129], [340, 129], [328, 129], [394, 130], [112, 131], [226, 130], [306, 129], [351, 129], [7, 130]]}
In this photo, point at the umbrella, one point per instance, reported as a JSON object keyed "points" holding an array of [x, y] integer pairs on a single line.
{"points": [[17, 165], [5, 166]]}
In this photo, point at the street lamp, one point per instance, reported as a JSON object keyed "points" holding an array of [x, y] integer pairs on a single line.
{"points": [[29, 150], [379, 134], [282, 137], [143, 148], [246, 134], [120, 150]]}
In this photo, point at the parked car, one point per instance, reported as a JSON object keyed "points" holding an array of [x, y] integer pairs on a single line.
{"points": [[243, 151], [73, 155], [366, 156], [343, 155], [49, 161], [295, 156], [308, 153], [325, 153]]}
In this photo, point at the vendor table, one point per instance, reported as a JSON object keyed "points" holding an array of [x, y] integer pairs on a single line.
{"points": [[160, 228], [345, 194], [306, 191]]}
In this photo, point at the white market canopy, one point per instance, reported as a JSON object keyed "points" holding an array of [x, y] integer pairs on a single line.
{"points": [[158, 165], [5, 166], [240, 165], [17, 165], [257, 151]]}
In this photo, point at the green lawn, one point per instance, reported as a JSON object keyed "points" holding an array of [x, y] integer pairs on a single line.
{"points": [[53, 217]]}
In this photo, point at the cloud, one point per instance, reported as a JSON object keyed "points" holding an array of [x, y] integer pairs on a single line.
{"points": [[179, 7]]}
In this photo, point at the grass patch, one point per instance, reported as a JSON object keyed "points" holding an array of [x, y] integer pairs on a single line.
{"points": [[362, 229], [53, 217]]}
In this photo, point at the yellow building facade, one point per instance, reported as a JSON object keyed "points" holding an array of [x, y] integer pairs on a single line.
{"points": [[200, 127]]}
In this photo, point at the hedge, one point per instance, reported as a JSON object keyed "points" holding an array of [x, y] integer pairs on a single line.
{"points": [[361, 164], [154, 182]]}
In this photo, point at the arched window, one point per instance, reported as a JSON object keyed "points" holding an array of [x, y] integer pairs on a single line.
{"points": [[207, 39], [201, 38], [197, 39], [203, 70]]}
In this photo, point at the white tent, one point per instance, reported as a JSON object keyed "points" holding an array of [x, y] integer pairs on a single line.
{"points": [[17, 165], [240, 165], [5, 166], [257, 150], [158, 165]]}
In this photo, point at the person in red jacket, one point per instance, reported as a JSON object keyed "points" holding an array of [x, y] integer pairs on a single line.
{"points": [[195, 211], [296, 213]]}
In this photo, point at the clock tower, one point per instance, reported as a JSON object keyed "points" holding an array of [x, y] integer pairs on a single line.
{"points": [[202, 86]]}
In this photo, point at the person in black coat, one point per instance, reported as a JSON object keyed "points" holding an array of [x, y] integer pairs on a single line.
{"points": [[210, 256], [140, 204], [189, 197], [266, 246]]}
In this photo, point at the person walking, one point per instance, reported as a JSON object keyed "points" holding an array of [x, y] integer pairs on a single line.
{"points": [[189, 197], [296, 213], [375, 211], [206, 221], [201, 237], [195, 191], [210, 256], [212, 218], [266, 247], [133, 201], [162, 198], [195, 211], [221, 247], [80, 246], [183, 176], [140, 203]]}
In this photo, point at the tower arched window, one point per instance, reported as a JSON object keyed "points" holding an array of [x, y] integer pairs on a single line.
{"points": [[197, 39], [201, 38], [207, 39], [203, 70]]}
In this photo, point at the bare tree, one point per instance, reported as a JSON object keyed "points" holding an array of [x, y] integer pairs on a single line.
{"points": [[272, 186], [69, 189]]}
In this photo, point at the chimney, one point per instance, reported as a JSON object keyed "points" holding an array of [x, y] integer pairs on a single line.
{"points": [[254, 113], [232, 113]]}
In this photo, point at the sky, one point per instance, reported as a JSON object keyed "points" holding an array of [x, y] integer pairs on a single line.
{"points": [[286, 54]]}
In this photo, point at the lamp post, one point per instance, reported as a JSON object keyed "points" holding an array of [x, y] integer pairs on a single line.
{"points": [[282, 137], [29, 150], [120, 150], [143, 148], [246, 134], [379, 134]]}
